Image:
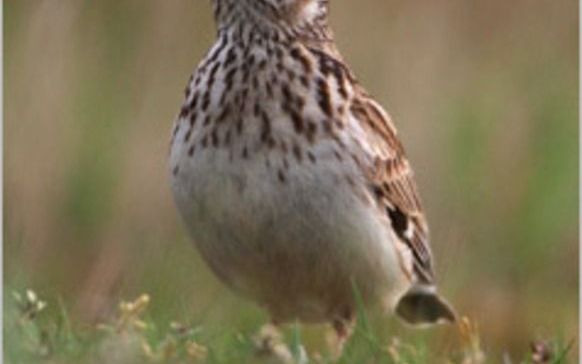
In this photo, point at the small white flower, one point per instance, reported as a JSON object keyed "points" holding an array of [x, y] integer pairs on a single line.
{"points": [[31, 296]]}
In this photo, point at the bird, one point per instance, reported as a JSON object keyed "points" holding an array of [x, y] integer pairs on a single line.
{"points": [[291, 178]]}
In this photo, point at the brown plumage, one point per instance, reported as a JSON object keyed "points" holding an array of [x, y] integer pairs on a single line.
{"points": [[292, 179]]}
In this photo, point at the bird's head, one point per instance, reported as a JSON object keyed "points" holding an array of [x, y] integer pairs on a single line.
{"points": [[302, 17]]}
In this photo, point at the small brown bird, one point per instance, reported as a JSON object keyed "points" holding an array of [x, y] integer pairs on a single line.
{"points": [[291, 178]]}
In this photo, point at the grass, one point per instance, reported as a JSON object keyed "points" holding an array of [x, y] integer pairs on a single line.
{"points": [[35, 334], [488, 115]]}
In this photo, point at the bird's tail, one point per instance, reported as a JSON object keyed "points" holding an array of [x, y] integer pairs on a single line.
{"points": [[422, 305]]}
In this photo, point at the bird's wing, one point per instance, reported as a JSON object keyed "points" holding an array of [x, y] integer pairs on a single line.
{"points": [[392, 183]]}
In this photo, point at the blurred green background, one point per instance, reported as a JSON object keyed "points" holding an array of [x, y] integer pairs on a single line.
{"points": [[484, 93]]}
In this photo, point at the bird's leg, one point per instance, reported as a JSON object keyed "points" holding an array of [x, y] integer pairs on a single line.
{"points": [[269, 344], [344, 328]]}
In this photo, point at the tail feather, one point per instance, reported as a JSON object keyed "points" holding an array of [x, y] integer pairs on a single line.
{"points": [[422, 305]]}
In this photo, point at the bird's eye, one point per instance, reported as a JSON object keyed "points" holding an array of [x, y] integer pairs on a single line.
{"points": [[305, 10]]}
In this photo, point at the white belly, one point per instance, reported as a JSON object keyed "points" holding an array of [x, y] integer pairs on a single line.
{"points": [[295, 245]]}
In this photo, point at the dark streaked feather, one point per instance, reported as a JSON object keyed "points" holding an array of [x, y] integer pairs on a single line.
{"points": [[392, 182]]}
